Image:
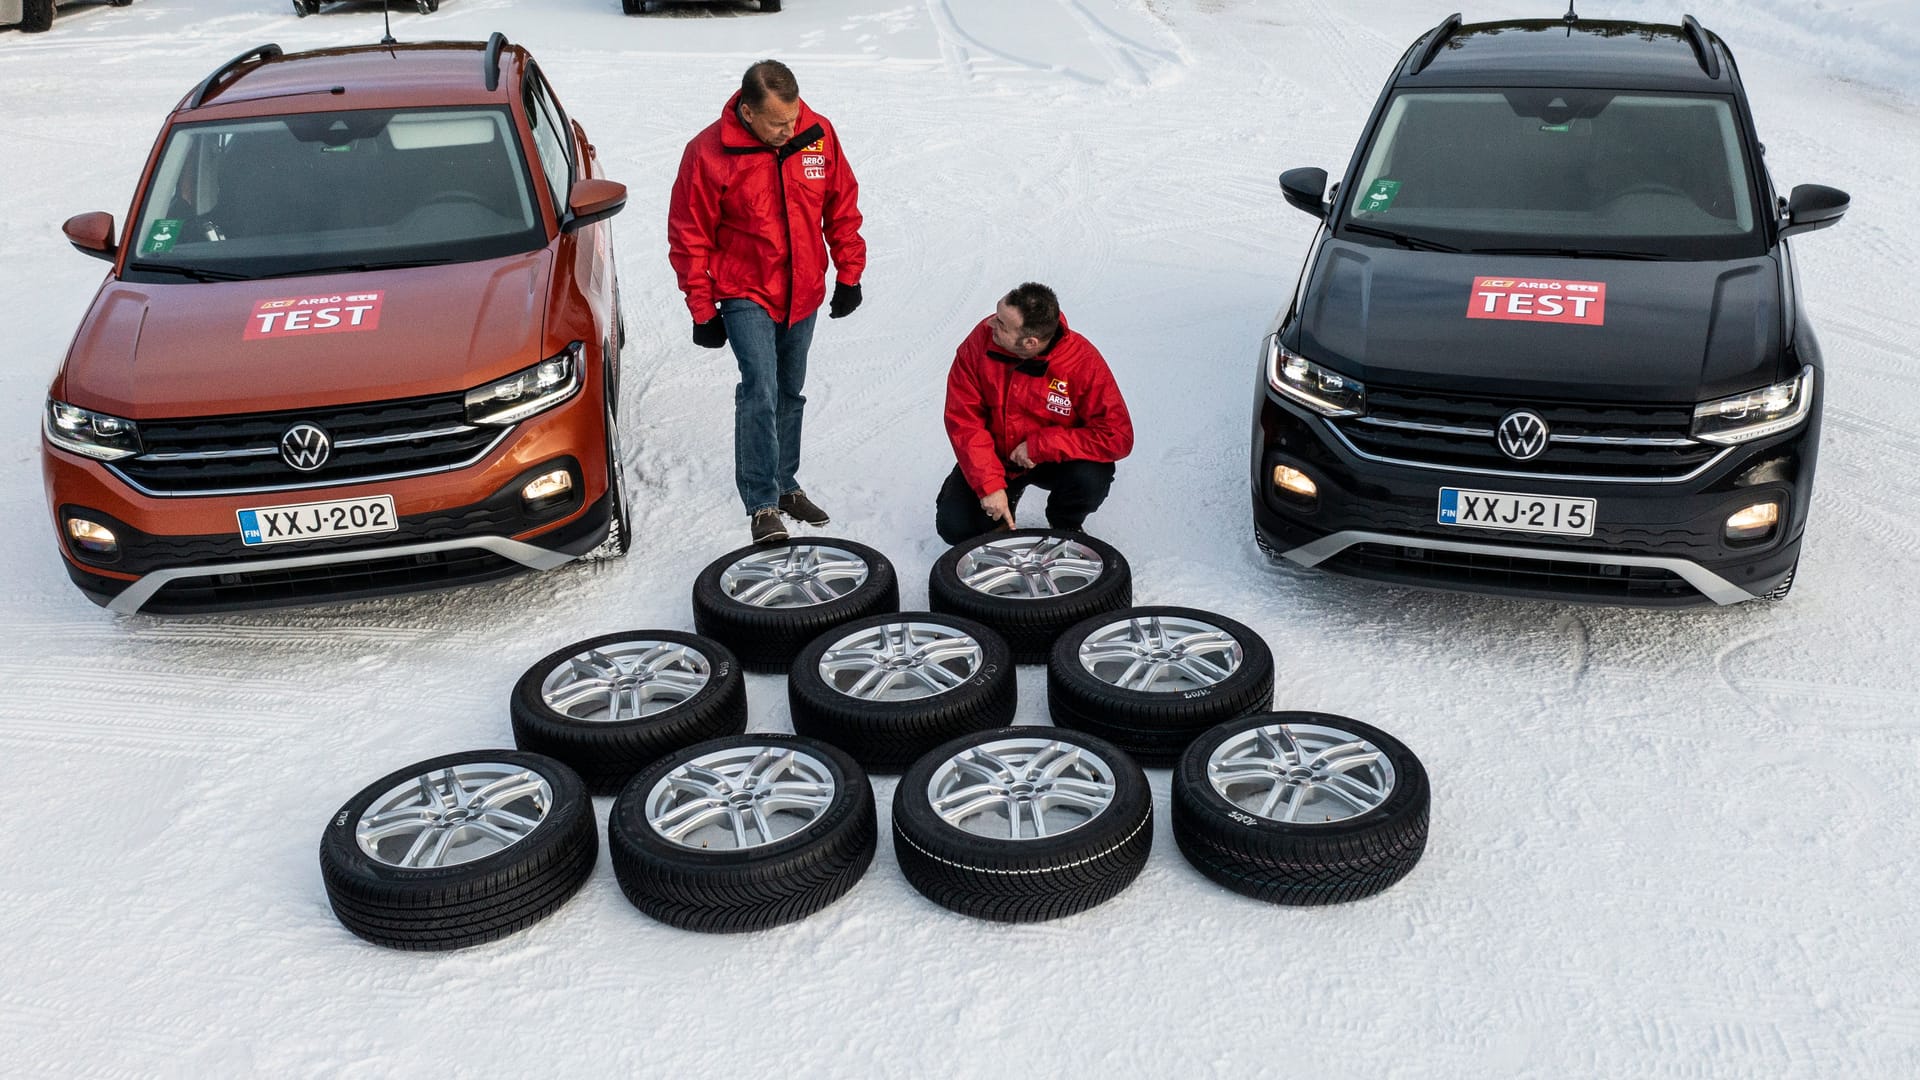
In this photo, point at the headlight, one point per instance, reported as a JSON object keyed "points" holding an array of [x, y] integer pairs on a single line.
{"points": [[1323, 390], [94, 434], [520, 395], [1745, 417]]}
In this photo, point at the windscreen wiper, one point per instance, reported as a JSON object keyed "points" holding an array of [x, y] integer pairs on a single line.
{"points": [[359, 267], [1573, 253], [197, 273], [1416, 243]]}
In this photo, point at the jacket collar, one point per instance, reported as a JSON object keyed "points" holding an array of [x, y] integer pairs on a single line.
{"points": [[737, 138], [1036, 366]]}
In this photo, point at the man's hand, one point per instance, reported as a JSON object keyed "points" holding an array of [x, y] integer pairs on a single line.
{"points": [[711, 334], [845, 298], [1020, 456], [997, 509]]}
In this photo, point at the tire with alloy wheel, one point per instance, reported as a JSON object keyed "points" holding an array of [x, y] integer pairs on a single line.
{"points": [[611, 705], [743, 833], [888, 688], [1030, 585], [1300, 808], [767, 601], [1022, 824], [459, 850], [36, 16], [1150, 679]]}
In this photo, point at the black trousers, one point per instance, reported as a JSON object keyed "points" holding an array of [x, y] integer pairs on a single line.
{"points": [[1077, 489]]}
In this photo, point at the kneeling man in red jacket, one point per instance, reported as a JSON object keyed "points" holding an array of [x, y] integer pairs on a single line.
{"points": [[1029, 402]]}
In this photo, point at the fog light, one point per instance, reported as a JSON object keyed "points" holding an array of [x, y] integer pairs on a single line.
{"points": [[91, 536], [1294, 482], [547, 487], [1753, 522]]}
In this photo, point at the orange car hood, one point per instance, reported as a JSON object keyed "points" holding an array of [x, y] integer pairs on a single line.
{"points": [[208, 349]]}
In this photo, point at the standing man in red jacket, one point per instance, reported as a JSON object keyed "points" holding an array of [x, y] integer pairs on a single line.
{"points": [[1029, 402], [763, 194]]}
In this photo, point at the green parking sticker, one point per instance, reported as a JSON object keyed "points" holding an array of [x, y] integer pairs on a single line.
{"points": [[1380, 196], [161, 236]]}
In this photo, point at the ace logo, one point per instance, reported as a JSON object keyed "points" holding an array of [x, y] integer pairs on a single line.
{"points": [[1538, 300], [298, 316]]}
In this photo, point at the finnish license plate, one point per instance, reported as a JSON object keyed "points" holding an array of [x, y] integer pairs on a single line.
{"points": [[317, 520], [1517, 512]]}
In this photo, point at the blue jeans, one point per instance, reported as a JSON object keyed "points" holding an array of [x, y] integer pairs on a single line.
{"points": [[767, 404]]}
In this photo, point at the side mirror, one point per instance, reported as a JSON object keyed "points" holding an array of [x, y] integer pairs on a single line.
{"points": [[1306, 189], [1813, 206], [591, 201], [92, 234]]}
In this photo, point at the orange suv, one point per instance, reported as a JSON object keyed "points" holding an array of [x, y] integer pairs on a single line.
{"points": [[362, 338]]}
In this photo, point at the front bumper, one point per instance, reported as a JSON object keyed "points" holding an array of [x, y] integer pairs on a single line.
{"points": [[1655, 543]]}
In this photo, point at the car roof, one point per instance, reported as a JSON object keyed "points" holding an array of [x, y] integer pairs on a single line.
{"points": [[1582, 53], [357, 77]]}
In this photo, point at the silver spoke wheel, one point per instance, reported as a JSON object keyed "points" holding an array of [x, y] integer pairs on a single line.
{"points": [[626, 680], [739, 798], [1306, 774], [901, 661], [1161, 654], [454, 815], [1030, 567], [1021, 789], [801, 575]]}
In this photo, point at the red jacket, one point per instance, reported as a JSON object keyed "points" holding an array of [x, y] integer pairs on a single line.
{"points": [[751, 221], [1069, 410]]}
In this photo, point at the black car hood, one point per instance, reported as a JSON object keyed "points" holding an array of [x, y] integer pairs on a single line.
{"points": [[1671, 331]]}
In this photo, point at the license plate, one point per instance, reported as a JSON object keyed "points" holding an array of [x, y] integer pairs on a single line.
{"points": [[317, 520], [1516, 512]]}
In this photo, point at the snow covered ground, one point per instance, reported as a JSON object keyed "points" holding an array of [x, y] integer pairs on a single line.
{"points": [[1663, 844]]}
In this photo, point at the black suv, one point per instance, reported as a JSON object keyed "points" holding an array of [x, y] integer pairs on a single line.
{"points": [[1548, 340]]}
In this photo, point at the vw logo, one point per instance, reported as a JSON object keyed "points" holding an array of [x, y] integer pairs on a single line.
{"points": [[306, 447], [1522, 435]]}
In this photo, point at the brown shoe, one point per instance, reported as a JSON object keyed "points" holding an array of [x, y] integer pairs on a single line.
{"points": [[767, 527], [797, 506]]}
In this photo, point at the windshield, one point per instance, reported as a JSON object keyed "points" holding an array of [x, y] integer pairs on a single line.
{"points": [[328, 191], [1587, 172]]}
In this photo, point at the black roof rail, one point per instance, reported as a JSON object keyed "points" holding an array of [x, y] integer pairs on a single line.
{"points": [[494, 44], [1702, 48], [1429, 46], [258, 52]]}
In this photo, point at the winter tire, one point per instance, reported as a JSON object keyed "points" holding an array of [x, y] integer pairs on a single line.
{"points": [[1031, 585], [611, 705], [459, 850], [743, 833], [769, 5], [619, 521], [632, 7], [1150, 679], [767, 601], [1022, 824], [1780, 591], [889, 688], [36, 16], [427, 7], [1300, 808]]}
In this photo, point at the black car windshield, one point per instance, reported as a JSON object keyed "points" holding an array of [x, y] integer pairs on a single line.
{"points": [[319, 192], [1597, 173]]}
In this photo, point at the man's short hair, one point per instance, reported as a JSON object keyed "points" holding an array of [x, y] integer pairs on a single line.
{"points": [[1039, 310], [768, 77]]}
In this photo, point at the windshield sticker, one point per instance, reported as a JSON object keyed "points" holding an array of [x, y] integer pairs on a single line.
{"points": [[1379, 196], [161, 237], [1539, 300], [298, 316]]}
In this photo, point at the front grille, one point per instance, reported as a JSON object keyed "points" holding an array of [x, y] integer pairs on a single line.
{"points": [[218, 454], [1532, 575], [1453, 431], [330, 582]]}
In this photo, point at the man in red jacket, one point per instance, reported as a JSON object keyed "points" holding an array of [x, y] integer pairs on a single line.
{"points": [[762, 194], [1029, 402]]}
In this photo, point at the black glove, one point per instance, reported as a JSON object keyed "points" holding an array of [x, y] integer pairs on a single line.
{"points": [[711, 334], [845, 298]]}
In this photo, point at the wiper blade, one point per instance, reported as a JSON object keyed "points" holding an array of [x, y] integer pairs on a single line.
{"points": [[197, 273], [1416, 243], [359, 267], [1574, 253]]}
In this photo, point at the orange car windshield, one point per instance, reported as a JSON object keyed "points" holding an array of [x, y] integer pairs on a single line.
{"points": [[320, 192]]}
